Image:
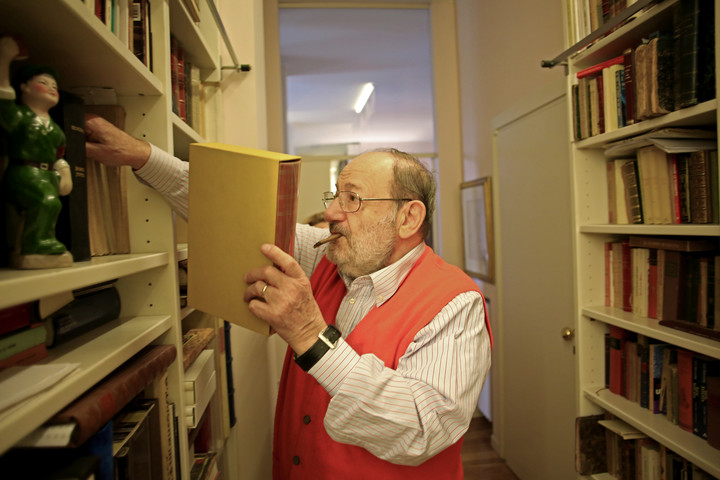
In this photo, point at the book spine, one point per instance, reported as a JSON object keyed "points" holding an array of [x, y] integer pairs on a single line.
{"points": [[97, 406], [83, 314], [20, 340]]}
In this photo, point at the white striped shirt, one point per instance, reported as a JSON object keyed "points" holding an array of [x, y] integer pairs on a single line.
{"points": [[405, 415]]}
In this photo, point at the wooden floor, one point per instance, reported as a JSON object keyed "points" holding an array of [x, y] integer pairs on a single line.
{"points": [[480, 461]]}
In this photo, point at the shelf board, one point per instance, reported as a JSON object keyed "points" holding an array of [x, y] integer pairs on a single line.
{"points": [[686, 444], [709, 230], [697, 115], [196, 49], [651, 328], [98, 352], [19, 286], [627, 35], [98, 56], [181, 252], [183, 136]]}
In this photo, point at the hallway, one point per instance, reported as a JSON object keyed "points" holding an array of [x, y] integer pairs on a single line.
{"points": [[480, 461]]}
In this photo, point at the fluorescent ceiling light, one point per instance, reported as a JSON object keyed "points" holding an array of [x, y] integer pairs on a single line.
{"points": [[364, 96]]}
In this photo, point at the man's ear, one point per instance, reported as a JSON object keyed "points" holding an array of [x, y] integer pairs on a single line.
{"points": [[410, 218]]}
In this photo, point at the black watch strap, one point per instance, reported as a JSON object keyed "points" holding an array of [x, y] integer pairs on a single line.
{"points": [[327, 340]]}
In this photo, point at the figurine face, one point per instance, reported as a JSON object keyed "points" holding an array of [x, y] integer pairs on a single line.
{"points": [[40, 89]]}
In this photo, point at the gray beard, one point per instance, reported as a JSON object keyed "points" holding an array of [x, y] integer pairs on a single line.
{"points": [[366, 252]]}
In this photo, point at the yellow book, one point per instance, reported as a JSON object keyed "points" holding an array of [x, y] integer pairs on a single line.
{"points": [[240, 198]]}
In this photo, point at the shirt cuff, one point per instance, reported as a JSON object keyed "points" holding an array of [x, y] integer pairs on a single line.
{"points": [[333, 367]]}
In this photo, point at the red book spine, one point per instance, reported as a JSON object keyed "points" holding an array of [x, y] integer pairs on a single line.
{"points": [[599, 67], [15, 318], [627, 277], [652, 283], [617, 360], [98, 405], [685, 389]]}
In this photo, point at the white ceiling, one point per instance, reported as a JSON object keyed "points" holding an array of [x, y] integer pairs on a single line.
{"points": [[328, 54]]}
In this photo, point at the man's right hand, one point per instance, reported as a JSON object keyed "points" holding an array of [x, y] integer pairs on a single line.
{"points": [[105, 143]]}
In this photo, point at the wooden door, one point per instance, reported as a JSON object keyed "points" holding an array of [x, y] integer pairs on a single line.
{"points": [[536, 399]]}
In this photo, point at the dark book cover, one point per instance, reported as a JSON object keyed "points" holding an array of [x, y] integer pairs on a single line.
{"points": [[674, 285], [706, 52], [72, 224], [700, 183], [686, 20], [590, 445], [629, 76], [713, 410], [632, 191], [229, 373], [85, 312], [665, 72]]}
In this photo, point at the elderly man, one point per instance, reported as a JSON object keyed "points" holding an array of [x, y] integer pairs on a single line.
{"points": [[388, 345]]}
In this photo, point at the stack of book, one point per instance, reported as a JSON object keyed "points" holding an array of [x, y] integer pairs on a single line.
{"points": [[199, 384], [667, 380], [666, 278]]}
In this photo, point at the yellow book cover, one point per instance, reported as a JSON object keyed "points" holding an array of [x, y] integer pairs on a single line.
{"points": [[240, 198]]}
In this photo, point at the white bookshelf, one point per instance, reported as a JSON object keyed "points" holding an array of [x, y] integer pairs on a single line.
{"points": [[592, 231], [67, 35]]}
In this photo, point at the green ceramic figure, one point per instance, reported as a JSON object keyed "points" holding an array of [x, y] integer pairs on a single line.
{"points": [[36, 174]]}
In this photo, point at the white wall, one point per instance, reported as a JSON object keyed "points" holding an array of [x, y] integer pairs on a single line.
{"points": [[501, 46]]}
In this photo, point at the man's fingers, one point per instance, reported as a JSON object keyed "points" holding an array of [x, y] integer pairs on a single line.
{"points": [[286, 263]]}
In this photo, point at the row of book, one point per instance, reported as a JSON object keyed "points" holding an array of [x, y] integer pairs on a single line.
{"points": [[589, 15], [122, 428], [27, 330], [666, 278], [129, 20], [126, 427], [188, 93], [659, 188], [607, 444], [94, 219], [667, 71], [680, 384]]}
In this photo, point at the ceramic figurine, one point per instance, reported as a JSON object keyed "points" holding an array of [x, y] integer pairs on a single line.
{"points": [[36, 174]]}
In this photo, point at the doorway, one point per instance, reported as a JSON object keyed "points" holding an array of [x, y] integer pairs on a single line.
{"points": [[327, 57]]}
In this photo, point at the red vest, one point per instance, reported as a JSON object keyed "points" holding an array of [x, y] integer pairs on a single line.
{"points": [[302, 447]]}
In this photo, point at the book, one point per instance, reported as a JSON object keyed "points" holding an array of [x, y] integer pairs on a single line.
{"points": [[685, 401], [590, 445], [15, 317], [713, 410], [86, 312], [678, 244], [262, 187], [655, 364], [72, 223], [633, 193], [700, 183], [134, 441], [194, 341], [107, 191], [19, 341], [629, 78], [204, 392], [652, 164], [673, 286], [198, 375], [164, 439], [617, 360], [98, 405], [140, 16]]}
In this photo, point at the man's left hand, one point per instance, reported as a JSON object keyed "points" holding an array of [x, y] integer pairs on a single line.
{"points": [[280, 294]]}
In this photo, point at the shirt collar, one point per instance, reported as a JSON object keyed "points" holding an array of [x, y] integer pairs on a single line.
{"points": [[386, 281]]}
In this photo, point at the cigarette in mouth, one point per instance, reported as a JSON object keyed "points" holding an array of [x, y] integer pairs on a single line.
{"points": [[332, 237]]}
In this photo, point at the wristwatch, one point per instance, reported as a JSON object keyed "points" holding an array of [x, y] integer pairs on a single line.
{"points": [[327, 340]]}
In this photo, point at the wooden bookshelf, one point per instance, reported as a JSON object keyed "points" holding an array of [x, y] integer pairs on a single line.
{"points": [[592, 230]]}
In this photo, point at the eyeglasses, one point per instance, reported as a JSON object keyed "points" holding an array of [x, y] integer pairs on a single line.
{"points": [[350, 202]]}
